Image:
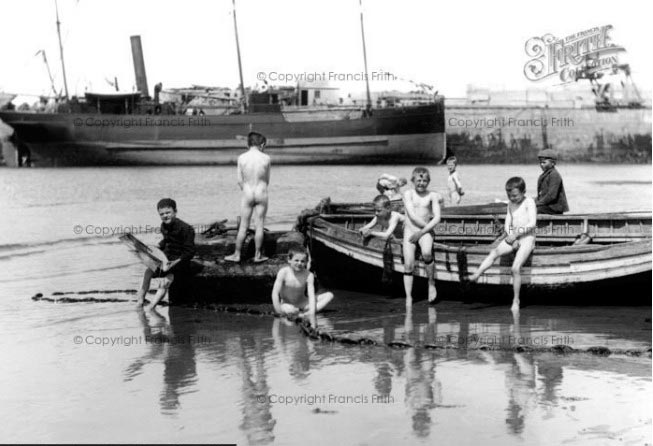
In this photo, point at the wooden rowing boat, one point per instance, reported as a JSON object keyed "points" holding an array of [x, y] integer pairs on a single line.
{"points": [[570, 249], [327, 207]]}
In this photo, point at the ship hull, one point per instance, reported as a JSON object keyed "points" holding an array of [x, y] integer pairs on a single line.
{"points": [[409, 135]]}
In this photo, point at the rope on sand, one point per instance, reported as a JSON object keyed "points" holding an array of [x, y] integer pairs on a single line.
{"points": [[61, 297], [316, 334]]}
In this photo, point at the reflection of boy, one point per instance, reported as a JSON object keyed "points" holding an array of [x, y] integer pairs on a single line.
{"points": [[178, 245], [384, 217], [521, 220], [422, 214], [551, 197], [294, 289]]}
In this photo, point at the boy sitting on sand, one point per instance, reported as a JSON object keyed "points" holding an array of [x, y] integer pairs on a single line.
{"points": [[253, 180], [422, 214], [384, 217], [293, 293], [178, 245], [520, 224]]}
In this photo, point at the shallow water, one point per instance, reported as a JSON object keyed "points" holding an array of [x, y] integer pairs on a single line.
{"points": [[88, 372]]}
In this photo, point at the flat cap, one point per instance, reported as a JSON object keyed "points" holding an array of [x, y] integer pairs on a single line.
{"points": [[548, 153]]}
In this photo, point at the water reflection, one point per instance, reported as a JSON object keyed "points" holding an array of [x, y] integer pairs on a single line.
{"points": [[254, 349], [423, 391], [172, 346], [257, 423], [521, 381]]}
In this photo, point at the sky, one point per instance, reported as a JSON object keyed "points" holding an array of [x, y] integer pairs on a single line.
{"points": [[447, 44]]}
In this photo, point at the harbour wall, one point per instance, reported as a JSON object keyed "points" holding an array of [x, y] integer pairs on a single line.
{"points": [[514, 134]]}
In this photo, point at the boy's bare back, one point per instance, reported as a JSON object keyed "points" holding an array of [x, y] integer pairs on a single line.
{"points": [[254, 167]]}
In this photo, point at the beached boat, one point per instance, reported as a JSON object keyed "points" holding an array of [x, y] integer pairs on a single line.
{"points": [[571, 249], [327, 207], [214, 280]]}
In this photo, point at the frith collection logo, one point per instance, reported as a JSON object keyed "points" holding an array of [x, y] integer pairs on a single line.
{"points": [[572, 57]]}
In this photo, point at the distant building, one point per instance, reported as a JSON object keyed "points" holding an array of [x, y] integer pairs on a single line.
{"points": [[316, 93]]}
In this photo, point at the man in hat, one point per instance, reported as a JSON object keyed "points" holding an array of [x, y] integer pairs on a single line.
{"points": [[551, 198]]}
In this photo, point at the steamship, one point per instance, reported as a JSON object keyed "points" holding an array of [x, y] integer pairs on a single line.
{"points": [[134, 129]]}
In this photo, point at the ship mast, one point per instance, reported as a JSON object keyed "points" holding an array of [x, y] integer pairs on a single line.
{"points": [[240, 65], [63, 66], [367, 80]]}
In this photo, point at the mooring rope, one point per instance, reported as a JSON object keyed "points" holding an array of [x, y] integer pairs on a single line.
{"points": [[316, 334]]}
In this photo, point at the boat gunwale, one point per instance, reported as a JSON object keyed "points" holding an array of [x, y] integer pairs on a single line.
{"points": [[485, 248]]}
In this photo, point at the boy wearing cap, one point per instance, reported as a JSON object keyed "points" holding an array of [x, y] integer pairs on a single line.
{"points": [[551, 197]]}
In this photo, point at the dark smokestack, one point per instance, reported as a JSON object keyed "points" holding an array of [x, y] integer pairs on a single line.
{"points": [[139, 65]]}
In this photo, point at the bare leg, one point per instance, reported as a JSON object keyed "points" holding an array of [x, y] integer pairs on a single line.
{"points": [[426, 245], [259, 221], [525, 248], [409, 265], [245, 217], [499, 251], [516, 287], [145, 287], [289, 310], [323, 300], [161, 292]]}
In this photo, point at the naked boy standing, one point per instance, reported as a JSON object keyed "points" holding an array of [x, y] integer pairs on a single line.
{"points": [[253, 180]]}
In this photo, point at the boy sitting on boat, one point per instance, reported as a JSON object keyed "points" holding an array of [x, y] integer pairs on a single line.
{"points": [[520, 225], [178, 244], [422, 214], [293, 293], [384, 217], [551, 197], [253, 179]]}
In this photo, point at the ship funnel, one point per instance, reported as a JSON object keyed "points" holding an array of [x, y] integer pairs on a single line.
{"points": [[139, 65]]}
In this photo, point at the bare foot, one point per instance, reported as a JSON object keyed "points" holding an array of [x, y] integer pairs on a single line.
{"points": [[409, 301], [472, 278], [515, 306], [233, 258], [433, 293], [259, 259]]}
